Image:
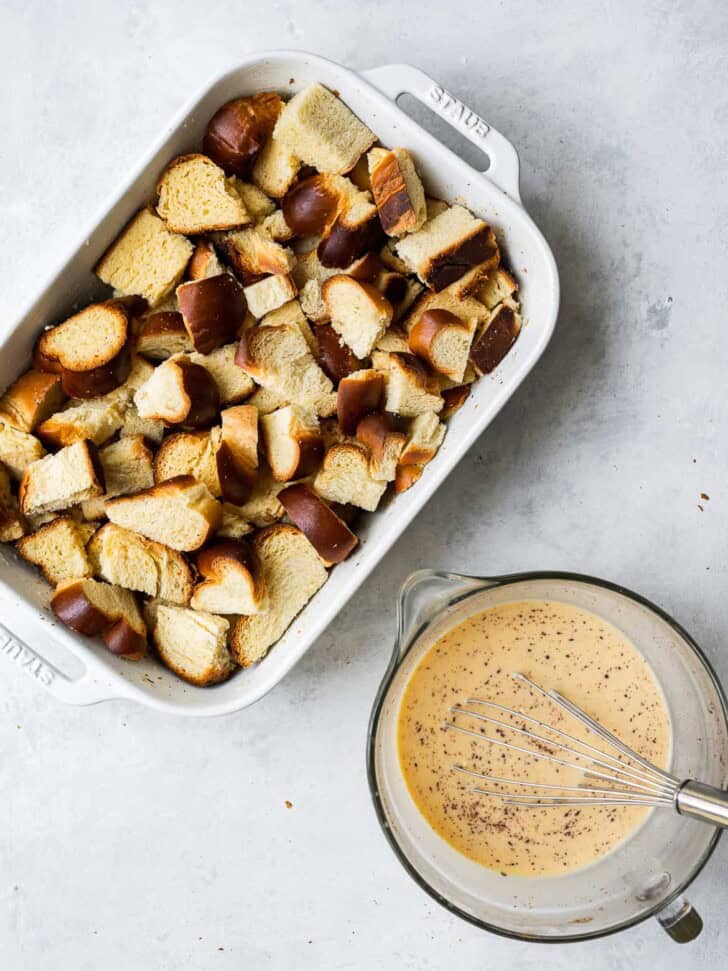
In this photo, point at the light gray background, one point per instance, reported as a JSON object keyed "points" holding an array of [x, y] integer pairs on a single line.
{"points": [[130, 840]]}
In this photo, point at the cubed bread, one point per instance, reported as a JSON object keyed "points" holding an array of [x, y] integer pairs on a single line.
{"points": [[252, 254], [280, 359], [234, 524], [496, 287], [89, 350], [322, 131], [134, 424], [394, 341], [195, 197], [381, 435], [276, 227], [213, 310], [425, 436], [266, 400], [181, 513], [258, 204], [233, 384], [401, 291], [454, 399], [190, 453], [95, 420], [448, 246], [92, 608], [232, 580], [237, 132], [335, 358], [179, 392], [358, 395], [328, 534], [493, 342], [358, 311], [12, 526], [275, 168], [269, 294], [236, 457], [314, 205], [58, 481], [128, 467], [397, 191], [163, 334], [191, 643], [18, 450], [409, 388], [292, 442], [205, 262], [59, 549], [406, 477], [31, 399], [123, 557], [146, 259], [345, 478], [443, 340], [292, 571], [291, 313]]}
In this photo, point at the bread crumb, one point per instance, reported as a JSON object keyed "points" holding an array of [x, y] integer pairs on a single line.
{"points": [[704, 495], [288, 804]]}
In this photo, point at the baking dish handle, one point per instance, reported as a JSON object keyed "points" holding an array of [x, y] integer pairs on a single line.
{"points": [[91, 687], [396, 79]]}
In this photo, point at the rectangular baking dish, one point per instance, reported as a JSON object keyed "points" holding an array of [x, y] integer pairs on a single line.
{"points": [[81, 671]]}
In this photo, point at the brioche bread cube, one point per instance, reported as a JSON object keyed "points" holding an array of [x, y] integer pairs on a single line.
{"points": [[275, 168], [496, 287], [335, 358], [134, 424], [191, 643], [238, 130], [312, 302], [265, 400], [345, 478], [493, 342], [11, 522], [163, 334], [322, 131], [252, 254], [233, 384], [196, 197], [397, 191], [179, 392], [182, 513], [358, 311], [263, 508], [380, 434], [18, 450], [90, 607], [409, 388], [393, 341], [328, 534], [61, 480], [146, 259], [89, 350], [59, 549], [443, 340], [269, 294], [406, 477], [448, 246], [314, 206], [232, 584], [128, 467], [291, 313], [454, 399], [192, 454], [401, 291], [31, 399], [276, 227], [358, 395], [234, 524], [213, 310], [258, 204], [292, 442], [205, 262], [237, 456], [280, 359], [292, 572], [123, 557], [425, 436], [94, 420]]}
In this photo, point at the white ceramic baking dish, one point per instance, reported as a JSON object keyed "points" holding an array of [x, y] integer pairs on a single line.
{"points": [[81, 671]]}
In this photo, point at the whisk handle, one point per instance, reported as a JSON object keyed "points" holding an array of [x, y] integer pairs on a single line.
{"points": [[703, 802]]}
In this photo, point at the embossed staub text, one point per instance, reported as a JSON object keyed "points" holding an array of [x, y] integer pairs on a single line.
{"points": [[25, 658], [455, 111]]}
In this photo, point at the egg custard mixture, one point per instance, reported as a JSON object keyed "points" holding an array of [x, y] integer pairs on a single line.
{"points": [[557, 646]]}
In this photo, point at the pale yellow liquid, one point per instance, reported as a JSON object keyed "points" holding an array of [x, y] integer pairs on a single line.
{"points": [[558, 646]]}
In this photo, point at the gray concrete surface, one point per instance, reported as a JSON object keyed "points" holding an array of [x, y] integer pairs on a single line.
{"points": [[129, 840]]}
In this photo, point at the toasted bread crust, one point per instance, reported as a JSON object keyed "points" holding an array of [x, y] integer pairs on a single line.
{"points": [[31, 399], [358, 395], [237, 132], [163, 334], [496, 340], [328, 534], [454, 399], [213, 310], [336, 359]]}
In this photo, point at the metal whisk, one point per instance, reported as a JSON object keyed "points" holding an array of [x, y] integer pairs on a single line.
{"points": [[634, 783]]}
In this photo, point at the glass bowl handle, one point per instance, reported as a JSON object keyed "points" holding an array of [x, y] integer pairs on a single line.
{"points": [[681, 920], [425, 594]]}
